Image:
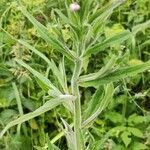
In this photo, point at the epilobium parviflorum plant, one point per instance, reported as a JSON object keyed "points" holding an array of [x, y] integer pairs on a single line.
{"points": [[82, 41]]}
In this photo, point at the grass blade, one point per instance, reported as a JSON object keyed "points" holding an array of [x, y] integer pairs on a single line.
{"points": [[20, 109]]}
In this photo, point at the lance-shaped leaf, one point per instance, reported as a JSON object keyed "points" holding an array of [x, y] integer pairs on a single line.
{"points": [[46, 107], [116, 39], [42, 78], [99, 17], [70, 135], [60, 74], [109, 7], [103, 103], [58, 45], [33, 49], [63, 17], [94, 102], [85, 9], [140, 27], [102, 72], [117, 75]]}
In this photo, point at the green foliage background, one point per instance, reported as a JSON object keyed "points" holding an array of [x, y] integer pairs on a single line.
{"points": [[124, 125]]}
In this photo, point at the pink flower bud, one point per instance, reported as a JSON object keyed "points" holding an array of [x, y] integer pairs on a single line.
{"points": [[74, 6]]}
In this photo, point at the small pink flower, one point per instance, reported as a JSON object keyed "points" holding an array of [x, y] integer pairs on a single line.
{"points": [[74, 6]]}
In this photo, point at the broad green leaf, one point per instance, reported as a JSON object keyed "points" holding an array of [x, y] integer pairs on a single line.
{"points": [[116, 39], [5, 75], [136, 132], [113, 30], [117, 75], [139, 146], [125, 138], [38, 75], [136, 119], [115, 117], [109, 90], [46, 107], [59, 46]]}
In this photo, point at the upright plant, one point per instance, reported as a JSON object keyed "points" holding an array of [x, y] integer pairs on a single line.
{"points": [[85, 29]]}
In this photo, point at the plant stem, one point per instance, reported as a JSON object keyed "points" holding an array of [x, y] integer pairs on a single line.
{"points": [[77, 110]]}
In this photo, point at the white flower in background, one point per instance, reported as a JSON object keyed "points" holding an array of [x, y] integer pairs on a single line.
{"points": [[74, 6]]}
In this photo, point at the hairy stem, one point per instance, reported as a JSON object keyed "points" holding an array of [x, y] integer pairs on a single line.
{"points": [[77, 110]]}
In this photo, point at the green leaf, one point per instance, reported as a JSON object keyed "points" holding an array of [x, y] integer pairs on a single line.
{"points": [[94, 102], [50, 145], [139, 146], [46, 107], [64, 18], [100, 16], [136, 119], [70, 135], [125, 138], [7, 115], [136, 132], [7, 96], [102, 72], [63, 73], [58, 45], [106, 9], [60, 75], [117, 75], [116, 39], [114, 117], [140, 27], [18, 99], [109, 90], [38, 75], [85, 9], [27, 45]]}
